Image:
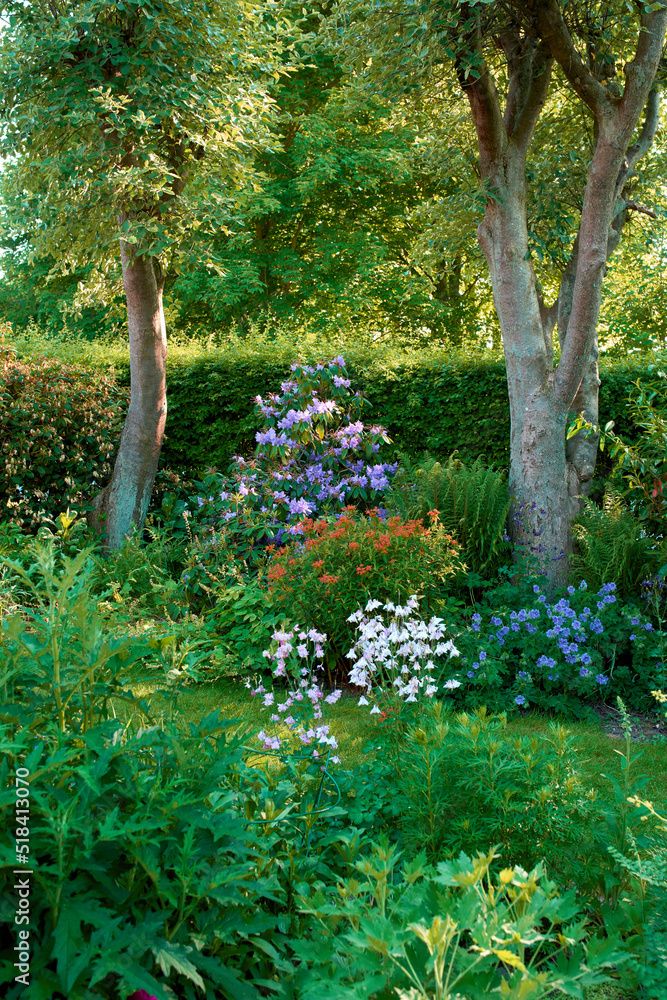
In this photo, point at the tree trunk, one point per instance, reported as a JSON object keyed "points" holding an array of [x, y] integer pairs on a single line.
{"points": [[121, 507], [541, 480]]}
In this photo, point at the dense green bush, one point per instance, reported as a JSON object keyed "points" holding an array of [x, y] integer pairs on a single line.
{"points": [[335, 568], [59, 428], [146, 871]]}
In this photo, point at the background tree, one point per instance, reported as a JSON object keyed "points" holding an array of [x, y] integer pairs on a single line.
{"points": [[508, 58], [123, 119]]}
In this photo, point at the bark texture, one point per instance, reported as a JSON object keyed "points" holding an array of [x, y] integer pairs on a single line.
{"points": [[547, 476], [122, 505]]}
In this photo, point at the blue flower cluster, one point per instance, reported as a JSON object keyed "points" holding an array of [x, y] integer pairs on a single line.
{"points": [[573, 647]]}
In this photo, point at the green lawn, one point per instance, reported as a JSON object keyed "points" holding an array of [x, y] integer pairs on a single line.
{"points": [[354, 729]]}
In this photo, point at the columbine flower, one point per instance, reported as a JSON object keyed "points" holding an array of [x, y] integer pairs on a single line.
{"points": [[452, 684], [375, 710], [362, 701]]}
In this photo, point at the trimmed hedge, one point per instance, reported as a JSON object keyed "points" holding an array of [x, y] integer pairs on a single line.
{"points": [[425, 402], [59, 428], [431, 400]]}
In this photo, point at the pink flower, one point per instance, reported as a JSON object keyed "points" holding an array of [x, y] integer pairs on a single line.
{"points": [[141, 995]]}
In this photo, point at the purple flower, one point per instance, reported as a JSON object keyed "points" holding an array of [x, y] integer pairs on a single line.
{"points": [[585, 658], [601, 679], [596, 626], [482, 655], [584, 672], [520, 700]]}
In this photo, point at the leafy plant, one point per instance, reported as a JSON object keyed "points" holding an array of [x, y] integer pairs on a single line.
{"points": [[465, 783], [150, 875], [472, 501], [57, 661], [613, 546], [59, 427], [334, 566], [573, 651], [456, 931]]}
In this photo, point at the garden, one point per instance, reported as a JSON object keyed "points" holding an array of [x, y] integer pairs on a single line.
{"points": [[324, 731], [333, 500]]}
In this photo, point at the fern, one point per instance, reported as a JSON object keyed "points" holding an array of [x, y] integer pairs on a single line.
{"points": [[613, 546], [472, 501]]}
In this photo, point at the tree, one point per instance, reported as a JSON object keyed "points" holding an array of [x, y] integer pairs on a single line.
{"points": [[122, 119], [508, 59]]}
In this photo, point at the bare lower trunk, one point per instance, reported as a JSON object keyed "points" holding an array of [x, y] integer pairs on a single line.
{"points": [[542, 482], [122, 505]]}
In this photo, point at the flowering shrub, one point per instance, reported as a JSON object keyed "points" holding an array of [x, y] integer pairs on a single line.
{"points": [[579, 649], [59, 428], [314, 454], [297, 658], [399, 657], [334, 566]]}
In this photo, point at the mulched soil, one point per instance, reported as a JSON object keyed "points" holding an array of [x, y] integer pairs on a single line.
{"points": [[644, 727]]}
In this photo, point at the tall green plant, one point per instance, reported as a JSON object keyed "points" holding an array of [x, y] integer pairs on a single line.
{"points": [[472, 501], [58, 663]]}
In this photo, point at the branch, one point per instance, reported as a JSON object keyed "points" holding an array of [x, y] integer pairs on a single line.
{"points": [[644, 66], [554, 32], [643, 209], [487, 117], [649, 129]]}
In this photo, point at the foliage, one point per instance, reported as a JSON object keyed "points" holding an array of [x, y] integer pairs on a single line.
{"points": [[644, 462], [59, 427], [58, 663], [111, 110], [613, 546], [456, 931], [428, 399], [149, 875], [465, 783], [472, 502], [333, 567], [242, 619], [561, 655]]}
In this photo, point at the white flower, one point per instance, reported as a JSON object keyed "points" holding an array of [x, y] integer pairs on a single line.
{"points": [[431, 690], [371, 606], [362, 701], [375, 710], [451, 684]]}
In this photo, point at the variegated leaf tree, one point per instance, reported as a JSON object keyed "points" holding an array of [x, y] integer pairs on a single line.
{"points": [[122, 121]]}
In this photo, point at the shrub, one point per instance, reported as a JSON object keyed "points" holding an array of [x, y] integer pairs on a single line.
{"points": [[59, 428], [472, 501], [466, 783], [58, 663], [322, 578]]}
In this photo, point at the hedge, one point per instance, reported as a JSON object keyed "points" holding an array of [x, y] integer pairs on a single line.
{"points": [[425, 402], [430, 400]]}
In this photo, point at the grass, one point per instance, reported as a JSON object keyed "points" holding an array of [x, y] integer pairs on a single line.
{"points": [[599, 753]]}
